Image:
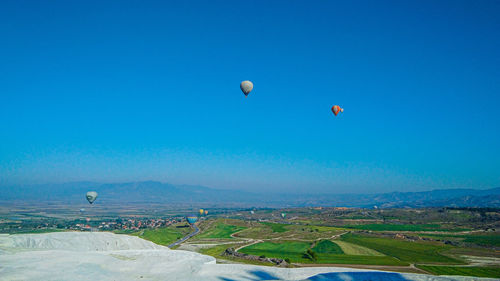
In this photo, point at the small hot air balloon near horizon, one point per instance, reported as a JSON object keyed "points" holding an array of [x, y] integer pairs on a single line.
{"points": [[201, 212], [206, 212], [337, 109], [191, 219], [283, 215], [91, 196], [246, 87]]}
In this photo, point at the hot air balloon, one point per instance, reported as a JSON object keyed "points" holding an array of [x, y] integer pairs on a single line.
{"points": [[337, 109], [252, 212], [201, 212], [283, 215], [206, 212], [246, 87], [191, 219], [91, 196]]}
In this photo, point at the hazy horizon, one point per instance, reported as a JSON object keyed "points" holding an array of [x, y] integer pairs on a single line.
{"points": [[257, 190], [127, 91]]}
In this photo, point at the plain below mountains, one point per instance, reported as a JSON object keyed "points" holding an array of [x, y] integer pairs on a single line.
{"points": [[157, 192]]}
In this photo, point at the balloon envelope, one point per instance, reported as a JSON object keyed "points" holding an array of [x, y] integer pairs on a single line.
{"points": [[192, 219], [246, 87], [206, 212], [283, 215], [337, 109], [91, 196], [201, 212]]}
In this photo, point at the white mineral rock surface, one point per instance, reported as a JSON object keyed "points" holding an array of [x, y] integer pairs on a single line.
{"points": [[107, 256]]}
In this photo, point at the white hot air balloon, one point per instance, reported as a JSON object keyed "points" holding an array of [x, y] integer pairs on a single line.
{"points": [[246, 87], [91, 196]]}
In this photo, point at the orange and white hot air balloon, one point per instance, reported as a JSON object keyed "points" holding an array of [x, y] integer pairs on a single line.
{"points": [[337, 109]]}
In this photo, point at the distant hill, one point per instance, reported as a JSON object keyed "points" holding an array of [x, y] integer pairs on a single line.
{"points": [[157, 192]]}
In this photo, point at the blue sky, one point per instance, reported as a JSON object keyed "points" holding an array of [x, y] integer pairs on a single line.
{"points": [[149, 90]]}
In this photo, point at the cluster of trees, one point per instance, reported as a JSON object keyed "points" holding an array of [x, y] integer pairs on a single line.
{"points": [[310, 255]]}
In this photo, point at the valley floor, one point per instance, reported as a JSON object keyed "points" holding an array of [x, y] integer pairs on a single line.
{"points": [[107, 256]]}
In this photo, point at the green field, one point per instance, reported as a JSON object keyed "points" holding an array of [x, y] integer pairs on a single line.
{"points": [[276, 227], [291, 250], [403, 250], [329, 253], [480, 239], [221, 230], [269, 230], [166, 235], [348, 259], [363, 249], [327, 247], [401, 227], [356, 250], [492, 272], [486, 240]]}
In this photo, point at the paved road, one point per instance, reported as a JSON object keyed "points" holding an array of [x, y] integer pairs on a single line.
{"points": [[196, 230]]}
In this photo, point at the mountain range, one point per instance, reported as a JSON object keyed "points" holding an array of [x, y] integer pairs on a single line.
{"points": [[156, 192]]}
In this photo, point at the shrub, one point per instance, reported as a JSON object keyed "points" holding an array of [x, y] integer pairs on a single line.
{"points": [[310, 255], [313, 255]]}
